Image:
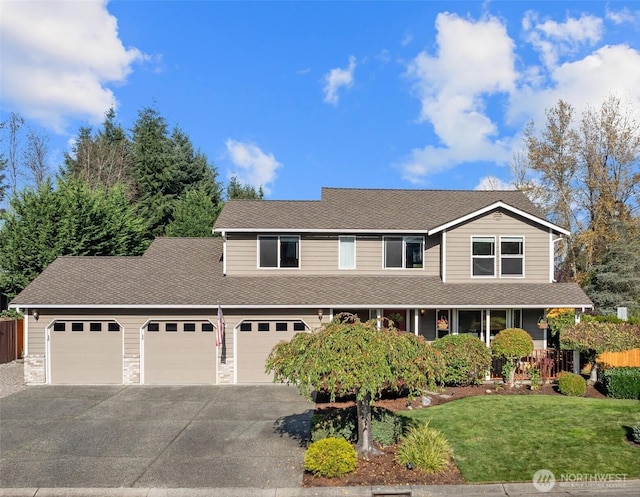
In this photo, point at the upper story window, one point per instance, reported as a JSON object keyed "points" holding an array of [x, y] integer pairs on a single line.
{"points": [[403, 252], [278, 251], [347, 251], [483, 250], [511, 256]]}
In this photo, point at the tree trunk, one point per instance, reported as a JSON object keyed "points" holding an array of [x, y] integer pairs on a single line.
{"points": [[364, 447], [593, 377]]}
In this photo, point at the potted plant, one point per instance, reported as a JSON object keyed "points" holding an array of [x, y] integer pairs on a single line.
{"points": [[443, 324]]}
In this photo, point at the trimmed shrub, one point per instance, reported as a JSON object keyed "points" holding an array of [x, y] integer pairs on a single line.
{"points": [[622, 383], [386, 427], [512, 343], [330, 457], [635, 433], [572, 384], [467, 359], [425, 448]]}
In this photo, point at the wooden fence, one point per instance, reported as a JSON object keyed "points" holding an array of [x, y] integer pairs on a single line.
{"points": [[620, 359], [11, 340], [550, 362]]}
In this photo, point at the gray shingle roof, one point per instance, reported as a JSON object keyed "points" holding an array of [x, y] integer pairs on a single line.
{"points": [[187, 272], [367, 209]]}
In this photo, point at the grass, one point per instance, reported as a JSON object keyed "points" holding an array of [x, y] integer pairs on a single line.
{"points": [[509, 438]]}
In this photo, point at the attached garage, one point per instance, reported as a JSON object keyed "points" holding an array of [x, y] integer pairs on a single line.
{"points": [[255, 339], [86, 353], [179, 353]]}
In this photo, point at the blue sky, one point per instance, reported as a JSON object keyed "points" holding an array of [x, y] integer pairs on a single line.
{"points": [[298, 95]]}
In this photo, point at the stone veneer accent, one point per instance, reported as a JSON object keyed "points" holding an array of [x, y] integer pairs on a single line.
{"points": [[34, 370], [131, 370], [225, 373]]}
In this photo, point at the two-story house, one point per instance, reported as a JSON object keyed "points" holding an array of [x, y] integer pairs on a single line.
{"points": [[433, 261]]}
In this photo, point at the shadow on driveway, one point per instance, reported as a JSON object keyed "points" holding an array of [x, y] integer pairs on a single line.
{"points": [[148, 436]]}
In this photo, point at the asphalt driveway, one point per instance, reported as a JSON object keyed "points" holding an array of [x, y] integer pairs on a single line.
{"points": [[144, 436]]}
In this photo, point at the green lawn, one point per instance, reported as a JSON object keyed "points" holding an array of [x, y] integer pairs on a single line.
{"points": [[509, 438]]}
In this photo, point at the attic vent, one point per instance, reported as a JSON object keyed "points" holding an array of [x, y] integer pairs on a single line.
{"points": [[497, 216]]}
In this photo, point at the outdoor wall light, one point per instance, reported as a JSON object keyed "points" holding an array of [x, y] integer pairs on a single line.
{"points": [[36, 314], [422, 312], [320, 314]]}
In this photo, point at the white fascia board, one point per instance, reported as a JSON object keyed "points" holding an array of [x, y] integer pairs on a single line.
{"points": [[332, 230], [497, 205], [308, 306]]}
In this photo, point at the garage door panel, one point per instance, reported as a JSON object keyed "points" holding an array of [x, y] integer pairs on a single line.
{"points": [[253, 349], [179, 357], [86, 358]]}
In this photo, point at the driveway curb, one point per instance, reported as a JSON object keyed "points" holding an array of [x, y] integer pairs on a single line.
{"points": [[628, 488]]}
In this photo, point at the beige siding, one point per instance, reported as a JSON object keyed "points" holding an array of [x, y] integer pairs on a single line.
{"points": [[536, 248], [319, 255]]}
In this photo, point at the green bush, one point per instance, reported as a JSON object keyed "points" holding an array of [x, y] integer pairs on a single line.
{"points": [[622, 383], [635, 433], [512, 343], [424, 448], [572, 384], [386, 427], [467, 359], [330, 457]]}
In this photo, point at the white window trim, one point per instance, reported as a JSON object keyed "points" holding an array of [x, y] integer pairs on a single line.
{"points": [[509, 256], [494, 257], [404, 253], [340, 266], [278, 268]]}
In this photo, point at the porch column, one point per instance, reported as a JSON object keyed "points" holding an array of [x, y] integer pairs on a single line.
{"points": [[416, 320], [487, 328]]}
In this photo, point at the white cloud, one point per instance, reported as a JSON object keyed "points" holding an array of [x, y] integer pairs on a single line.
{"points": [[554, 40], [493, 183], [473, 73], [622, 16], [252, 166], [583, 82], [473, 60], [338, 78], [58, 57]]}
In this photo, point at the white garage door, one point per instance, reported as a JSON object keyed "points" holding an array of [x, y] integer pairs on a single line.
{"points": [[86, 353], [255, 341], [179, 353]]}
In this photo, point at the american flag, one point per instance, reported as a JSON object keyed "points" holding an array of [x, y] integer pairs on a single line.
{"points": [[220, 327]]}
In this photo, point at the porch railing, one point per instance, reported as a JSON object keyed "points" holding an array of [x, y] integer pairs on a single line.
{"points": [[550, 362]]}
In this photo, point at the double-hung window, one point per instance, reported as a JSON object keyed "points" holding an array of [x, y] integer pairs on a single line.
{"points": [[483, 259], [279, 251], [403, 252], [347, 250], [511, 256]]}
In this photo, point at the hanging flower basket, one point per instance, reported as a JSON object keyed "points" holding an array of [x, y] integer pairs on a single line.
{"points": [[443, 324], [542, 323]]}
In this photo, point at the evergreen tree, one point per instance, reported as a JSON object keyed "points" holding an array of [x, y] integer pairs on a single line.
{"points": [[157, 176], [73, 220], [28, 237], [194, 214], [615, 282], [236, 190]]}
